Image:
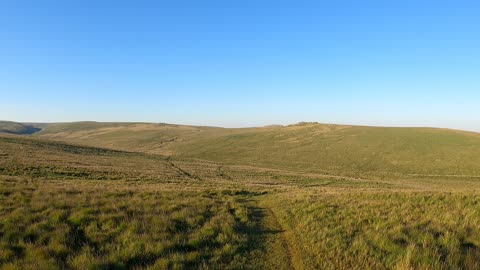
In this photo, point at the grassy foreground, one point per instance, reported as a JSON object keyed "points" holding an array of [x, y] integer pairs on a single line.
{"points": [[67, 206], [380, 230], [50, 225]]}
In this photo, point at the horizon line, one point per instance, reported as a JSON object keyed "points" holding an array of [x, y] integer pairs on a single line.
{"points": [[240, 127]]}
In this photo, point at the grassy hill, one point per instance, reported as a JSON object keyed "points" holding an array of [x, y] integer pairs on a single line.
{"points": [[141, 137], [19, 128], [64, 205], [309, 147]]}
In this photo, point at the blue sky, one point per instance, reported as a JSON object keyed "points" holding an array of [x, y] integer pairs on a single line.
{"points": [[242, 63]]}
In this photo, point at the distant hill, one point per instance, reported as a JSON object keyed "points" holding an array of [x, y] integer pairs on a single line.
{"points": [[308, 147], [141, 137], [20, 128]]}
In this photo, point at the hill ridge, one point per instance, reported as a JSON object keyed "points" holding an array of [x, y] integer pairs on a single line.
{"points": [[10, 127]]}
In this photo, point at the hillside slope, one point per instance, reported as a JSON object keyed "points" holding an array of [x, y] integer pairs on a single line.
{"points": [[30, 157], [331, 149], [19, 128], [141, 137]]}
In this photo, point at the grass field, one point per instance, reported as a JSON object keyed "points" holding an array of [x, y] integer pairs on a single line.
{"points": [[309, 196], [51, 225]]}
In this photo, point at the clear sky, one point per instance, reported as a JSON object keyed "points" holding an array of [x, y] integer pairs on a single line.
{"points": [[242, 63]]}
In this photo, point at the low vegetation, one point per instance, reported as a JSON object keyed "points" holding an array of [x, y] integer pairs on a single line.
{"points": [[209, 198], [379, 230], [54, 224]]}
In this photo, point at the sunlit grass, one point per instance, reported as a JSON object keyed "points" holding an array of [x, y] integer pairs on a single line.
{"points": [[50, 225], [378, 230]]}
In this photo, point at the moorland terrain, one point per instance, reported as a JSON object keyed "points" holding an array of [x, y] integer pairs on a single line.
{"points": [[305, 196]]}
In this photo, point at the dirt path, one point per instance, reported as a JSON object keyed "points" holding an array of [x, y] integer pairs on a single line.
{"points": [[275, 252], [279, 241]]}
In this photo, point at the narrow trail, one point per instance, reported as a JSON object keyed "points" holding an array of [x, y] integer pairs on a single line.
{"points": [[280, 241], [182, 171], [275, 252]]}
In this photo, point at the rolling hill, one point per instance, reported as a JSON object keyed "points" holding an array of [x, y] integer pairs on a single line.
{"points": [[20, 128], [355, 151], [306, 196]]}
